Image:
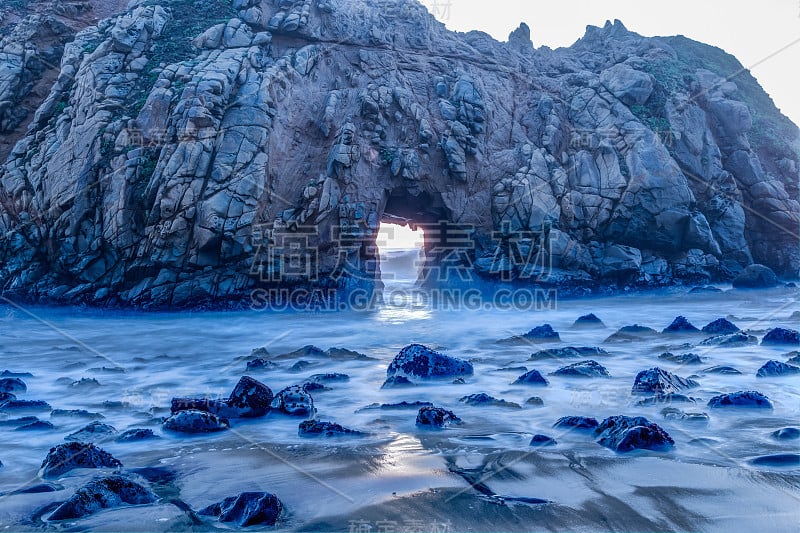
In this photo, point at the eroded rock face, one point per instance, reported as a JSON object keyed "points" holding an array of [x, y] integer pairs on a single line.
{"points": [[160, 174]]}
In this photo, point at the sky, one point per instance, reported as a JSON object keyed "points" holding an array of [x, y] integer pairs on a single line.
{"points": [[753, 31]]}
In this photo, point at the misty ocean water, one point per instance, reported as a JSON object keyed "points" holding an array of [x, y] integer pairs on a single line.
{"points": [[400, 477]]}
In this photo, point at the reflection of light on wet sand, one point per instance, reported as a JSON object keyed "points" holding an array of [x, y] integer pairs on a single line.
{"points": [[409, 467]]}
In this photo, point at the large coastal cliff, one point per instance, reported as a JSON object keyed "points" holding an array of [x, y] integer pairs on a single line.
{"points": [[157, 157]]}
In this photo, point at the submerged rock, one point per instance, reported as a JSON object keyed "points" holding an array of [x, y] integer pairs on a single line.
{"points": [[12, 385], [781, 336], [397, 382], [777, 369], [580, 423], [6, 396], [25, 405], [85, 383], [731, 340], [786, 434], [721, 369], [294, 401], [543, 440], [680, 325], [39, 425], [588, 321], [632, 333], [568, 352], [75, 413], [544, 332], [705, 289], [583, 369], [436, 417], [420, 361], [66, 457], [532, 377], [313, 428], [751, 399], [671, 397], [682, 359], [136, 434], [659, 381], [247, 509], [94, 432], [626, 433], [331, 377], [397, 406], [484, 400], [107, 493], [195, 422], [260, 364], [755, 277], [779, 460], [535, 401], [720, 326]]}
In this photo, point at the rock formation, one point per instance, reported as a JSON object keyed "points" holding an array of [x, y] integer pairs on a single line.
{"points": [[191, 152]]}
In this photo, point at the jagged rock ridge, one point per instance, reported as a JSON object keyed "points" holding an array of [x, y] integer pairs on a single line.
{"points": [[182, 141]]}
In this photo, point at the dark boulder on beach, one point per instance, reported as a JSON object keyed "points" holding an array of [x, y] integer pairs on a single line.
{"points": [[532, 377], [94, 432], [781, 336], [136, 434], [294, 401], [318, 428], [720, 326], [194, 421], [660, 381], [580, 423], [745, 399], [627, 433], [249, 399], [247, 509], [756, 277], [542, 440], [730, 340], [632, 333], [583, 369], [680, 325], [484, 400], [393, 382], [588, 321], [107, 493], [13, 385], [568, 352], [772, 369], [436, 417], [420, 361], [66, 457]]}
